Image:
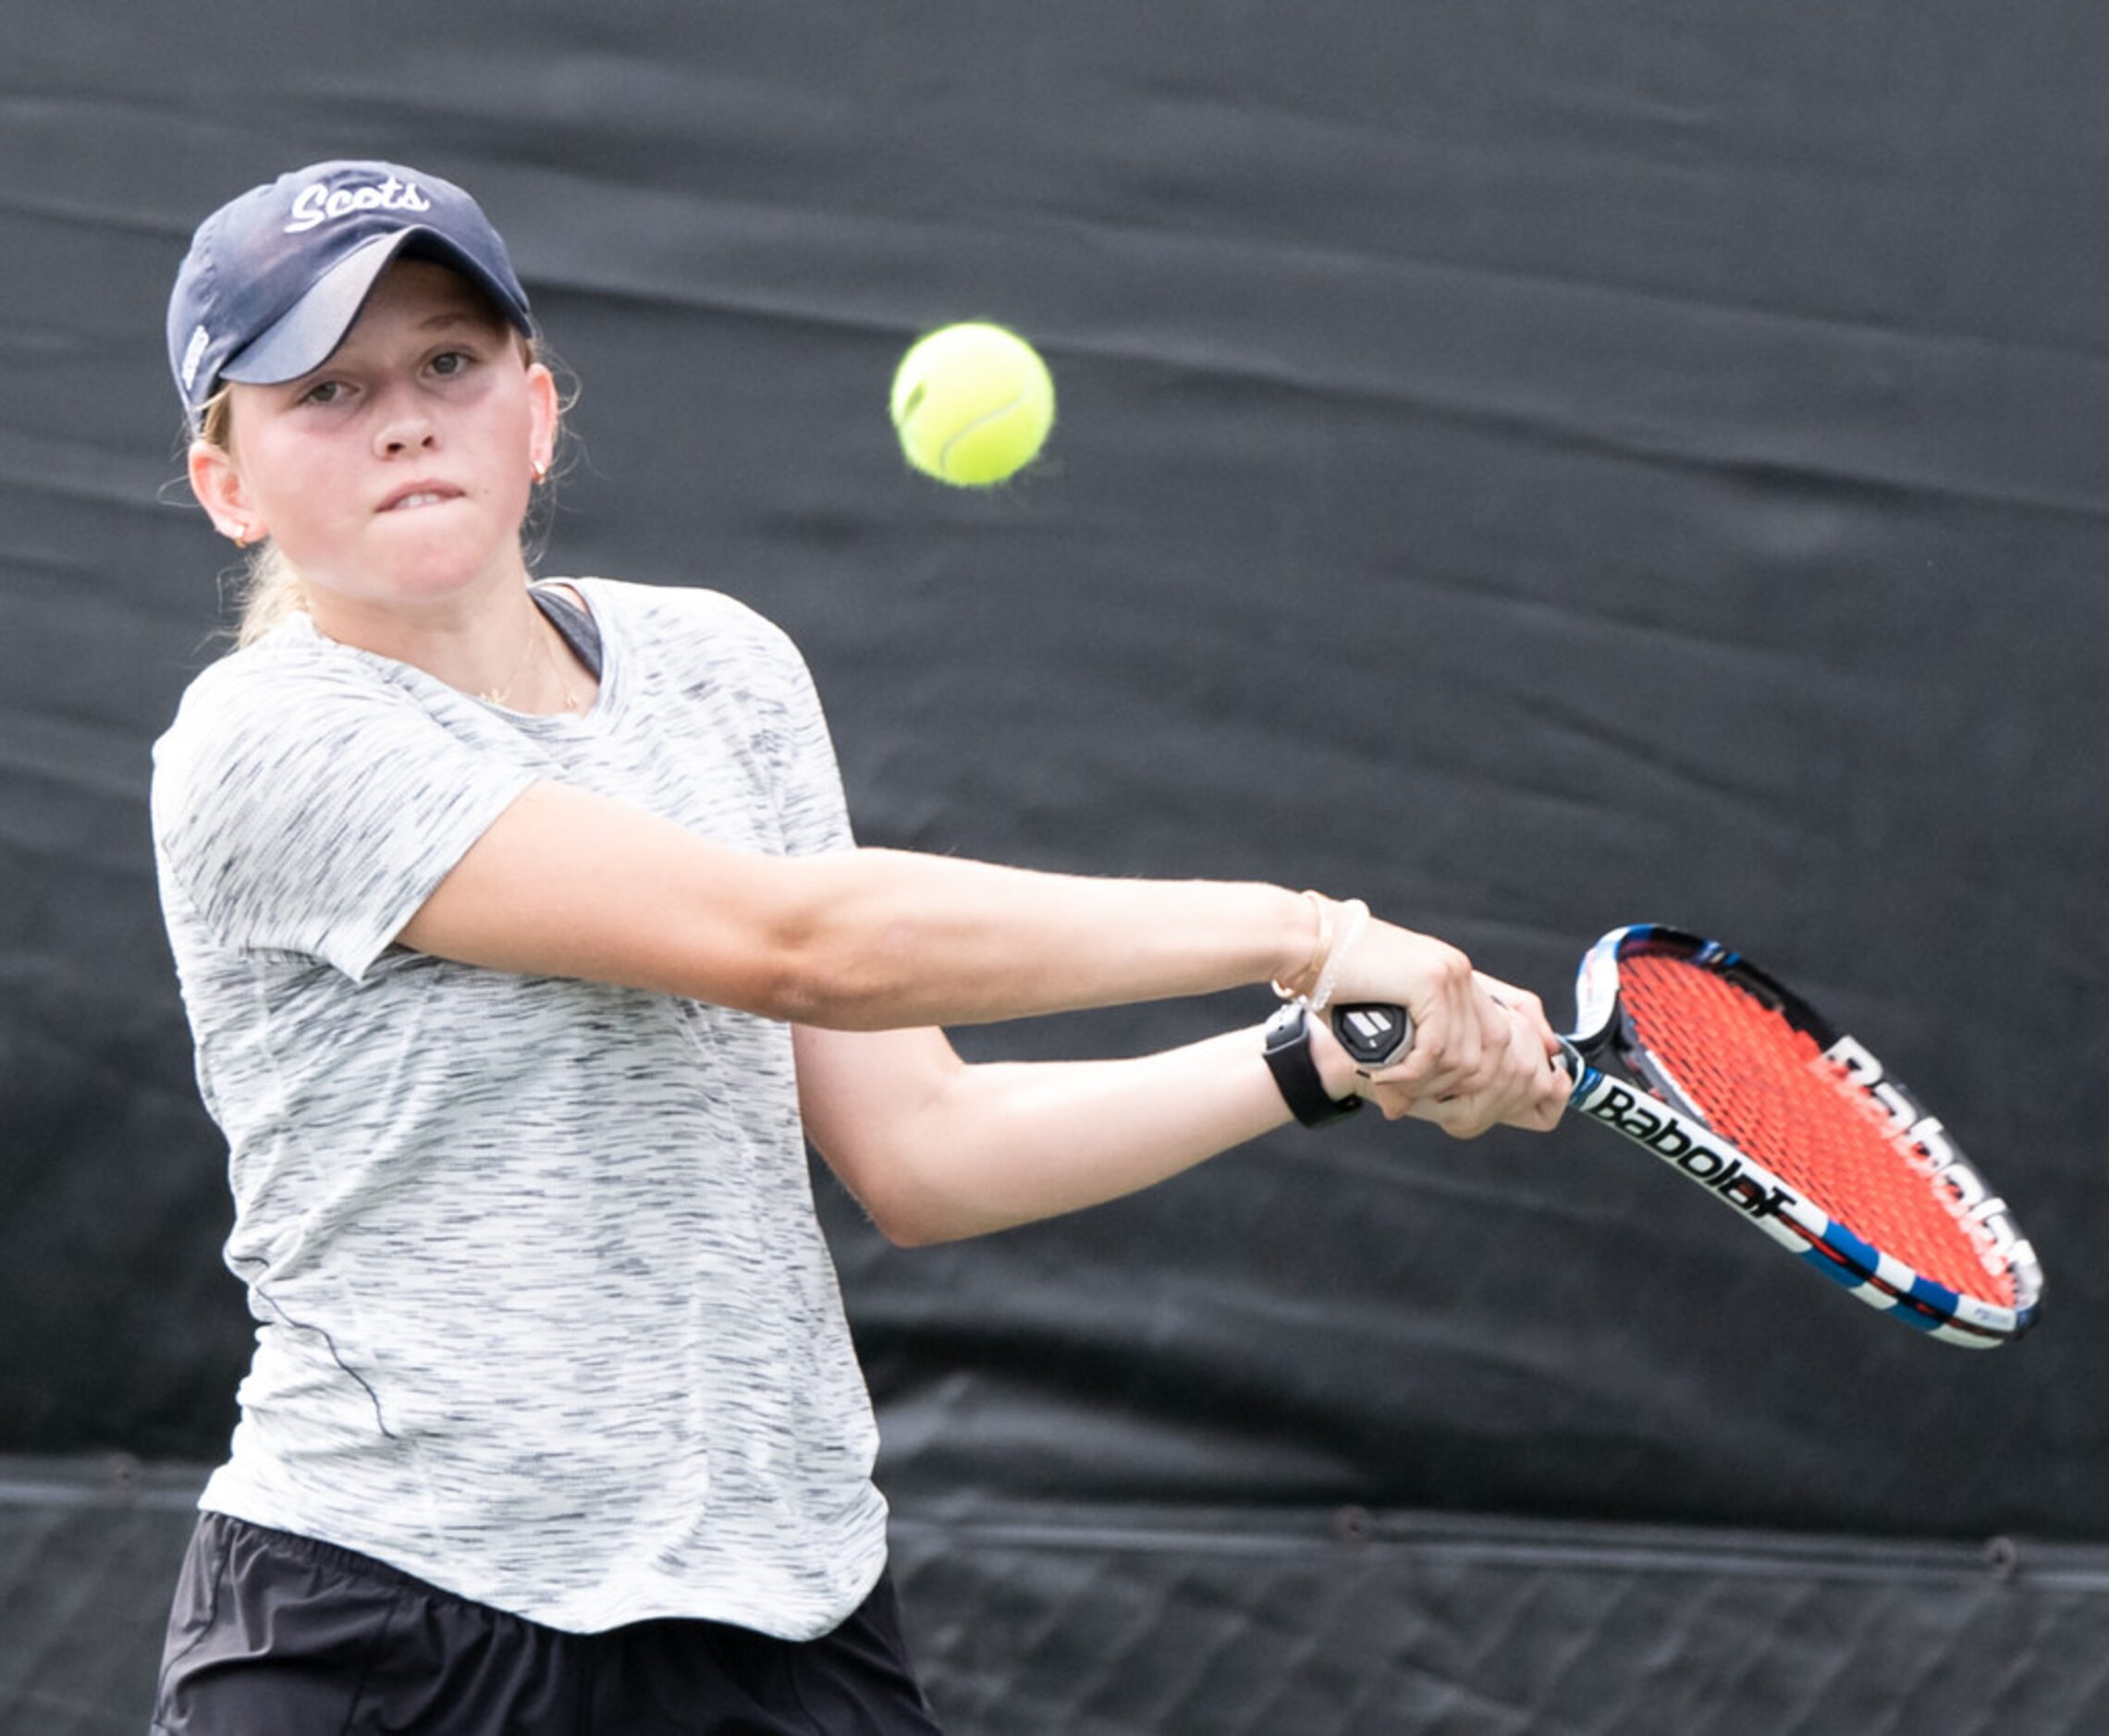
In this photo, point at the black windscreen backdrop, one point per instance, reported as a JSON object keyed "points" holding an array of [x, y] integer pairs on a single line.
{"points": [[1535, 466]]}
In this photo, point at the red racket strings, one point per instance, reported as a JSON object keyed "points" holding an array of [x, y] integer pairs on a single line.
{"points": [[1765, 1086]]}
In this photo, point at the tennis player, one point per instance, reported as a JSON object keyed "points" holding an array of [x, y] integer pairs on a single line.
{"points": [[524, 944]]}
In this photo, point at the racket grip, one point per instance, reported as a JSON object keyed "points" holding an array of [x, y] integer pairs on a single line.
{"points": [[1374, 1035]]}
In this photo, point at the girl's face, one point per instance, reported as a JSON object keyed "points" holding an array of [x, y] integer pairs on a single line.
{"points": [[395, 477]]}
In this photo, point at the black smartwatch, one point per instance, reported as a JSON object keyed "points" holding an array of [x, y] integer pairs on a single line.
{"points": [[1289, 1059]]}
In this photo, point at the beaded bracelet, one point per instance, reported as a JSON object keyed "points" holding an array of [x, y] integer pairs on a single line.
{"points": [[1352, 921]]}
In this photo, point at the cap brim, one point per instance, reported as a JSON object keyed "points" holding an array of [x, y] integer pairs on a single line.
{"points": [[309, 333]]}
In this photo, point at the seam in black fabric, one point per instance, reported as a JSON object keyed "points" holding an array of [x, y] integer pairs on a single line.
{"points": [[217, 1550]]}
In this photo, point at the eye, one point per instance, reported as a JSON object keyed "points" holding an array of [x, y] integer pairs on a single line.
{"points": [[324, 392], [449, 362]]}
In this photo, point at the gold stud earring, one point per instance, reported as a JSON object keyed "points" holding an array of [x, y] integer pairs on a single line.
{"points": [[540, 472], [244, 537]]}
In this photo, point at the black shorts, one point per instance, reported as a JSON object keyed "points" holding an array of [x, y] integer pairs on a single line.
{"points": [[277, 1635]]}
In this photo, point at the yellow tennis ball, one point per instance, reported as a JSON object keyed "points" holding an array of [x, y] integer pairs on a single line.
{"points": [[972, 403]]}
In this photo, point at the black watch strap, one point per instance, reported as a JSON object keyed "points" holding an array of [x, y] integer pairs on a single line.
{"points": [[1296, 1073]]}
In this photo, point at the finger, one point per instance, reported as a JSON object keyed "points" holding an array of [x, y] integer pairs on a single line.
{"points": [[1468, 1120], [1523, 1091], [1449, 1048], [1556, 1095], [1460, 1118], [1529, 1090], [1394, 1106], [1524, 1002], [1545, 1090], [1483, 1063]]}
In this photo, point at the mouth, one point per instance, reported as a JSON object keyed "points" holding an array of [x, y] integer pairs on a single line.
{"points": [[419, 495]]}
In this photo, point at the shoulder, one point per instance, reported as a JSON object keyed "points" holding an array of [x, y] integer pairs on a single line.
{"points": [[694, 628], [282, 713], [285, 677], [683, 608]]}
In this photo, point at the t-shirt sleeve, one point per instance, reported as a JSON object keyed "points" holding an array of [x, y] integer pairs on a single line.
{"points": [[312, 815], [814, 811]]}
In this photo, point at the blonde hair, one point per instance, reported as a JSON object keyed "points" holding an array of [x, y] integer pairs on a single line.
{"points": [[273, 590]]}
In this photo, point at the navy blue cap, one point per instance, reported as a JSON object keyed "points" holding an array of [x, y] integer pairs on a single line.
{"points": [[275, 278]]}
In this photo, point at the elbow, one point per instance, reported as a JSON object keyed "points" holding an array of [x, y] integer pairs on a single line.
{"points": [[908, 1232], [811, 979], [908, 1219], [818, 949], [826, 997], [911, 1218]]}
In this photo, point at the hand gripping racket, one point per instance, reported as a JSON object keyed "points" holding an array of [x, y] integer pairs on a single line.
{"points": [[1739, 1085]]}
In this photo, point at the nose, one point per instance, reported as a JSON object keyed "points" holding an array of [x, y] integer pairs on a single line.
{"points": [[403, 425]]}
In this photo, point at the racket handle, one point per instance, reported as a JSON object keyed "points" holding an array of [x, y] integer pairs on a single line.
{"points": [[1374, 1036]]}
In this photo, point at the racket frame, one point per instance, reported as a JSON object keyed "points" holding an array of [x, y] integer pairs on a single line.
{"points": [[1645, 1105]]}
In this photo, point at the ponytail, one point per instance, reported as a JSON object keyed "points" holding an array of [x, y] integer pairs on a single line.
{"points": [[272, 594], [272, 590]]}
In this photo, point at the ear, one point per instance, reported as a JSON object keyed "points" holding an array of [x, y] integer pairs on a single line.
{"points": [[545, 414], [218, 484]]}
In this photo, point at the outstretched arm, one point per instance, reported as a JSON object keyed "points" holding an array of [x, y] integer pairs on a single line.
{"points": [[569, 883], [936, 1149]]}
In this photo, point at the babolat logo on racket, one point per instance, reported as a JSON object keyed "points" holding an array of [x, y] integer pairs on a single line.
{"points": [[1926, 1148], [1662, 1134]]}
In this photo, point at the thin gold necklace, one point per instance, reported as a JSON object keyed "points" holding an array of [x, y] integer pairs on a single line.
{"points": [[569, 699], [538, 639], [499, 695]]}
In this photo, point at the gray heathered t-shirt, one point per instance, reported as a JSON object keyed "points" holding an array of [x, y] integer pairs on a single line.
{"points": [[545, 1316]]}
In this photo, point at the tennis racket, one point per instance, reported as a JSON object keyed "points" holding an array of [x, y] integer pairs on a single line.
{"points": [[1736, 1082]]}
